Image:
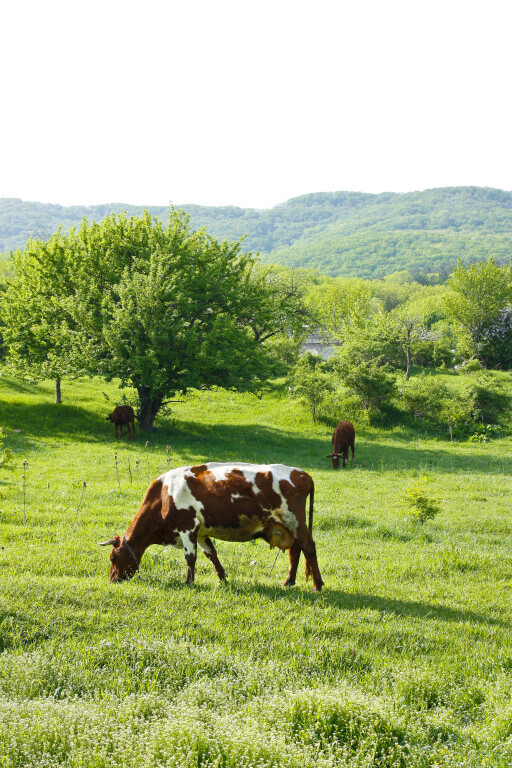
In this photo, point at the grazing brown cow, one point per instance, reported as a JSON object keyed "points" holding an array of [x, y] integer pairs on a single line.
{"points": [[342, 438], [121, 416], [230, 501]]}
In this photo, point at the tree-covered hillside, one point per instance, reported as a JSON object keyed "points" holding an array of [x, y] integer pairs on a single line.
{"points": [[339, 233]]}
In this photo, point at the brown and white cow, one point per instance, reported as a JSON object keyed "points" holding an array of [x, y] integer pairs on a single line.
{"points": [[343, 438], [230, 501], [121, 416]]}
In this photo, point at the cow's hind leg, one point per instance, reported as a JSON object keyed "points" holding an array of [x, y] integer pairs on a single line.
{"points": [[307, 545], [295, 551], [189, 540], [211, 553]]}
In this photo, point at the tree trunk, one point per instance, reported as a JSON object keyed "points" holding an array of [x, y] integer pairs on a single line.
{"points": [[408, 350], [58, 396], [148, 409]]}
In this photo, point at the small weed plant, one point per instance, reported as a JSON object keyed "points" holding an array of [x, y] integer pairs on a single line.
{"points": [[485, 432], [419, 506], [6, 454]]}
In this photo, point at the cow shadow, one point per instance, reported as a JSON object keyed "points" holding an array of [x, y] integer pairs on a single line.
{"points": [[304, 596]]}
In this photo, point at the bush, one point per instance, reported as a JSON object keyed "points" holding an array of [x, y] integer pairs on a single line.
{"points": [[471, 366], [373, 387], [487, 401], [419, 506], [482, 433], [495, 347], [423, 398]]}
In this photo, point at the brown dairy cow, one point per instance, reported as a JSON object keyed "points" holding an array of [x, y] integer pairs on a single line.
{"points": [[121, 416], [342, 439], [230, 501]]}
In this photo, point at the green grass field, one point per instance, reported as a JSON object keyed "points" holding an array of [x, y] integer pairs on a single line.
{"points": [[404, 659]]}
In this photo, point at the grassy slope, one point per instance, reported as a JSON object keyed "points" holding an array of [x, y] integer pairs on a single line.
{"points": [[405, 658]]}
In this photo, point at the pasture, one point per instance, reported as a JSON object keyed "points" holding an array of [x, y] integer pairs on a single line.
{"points": [[403, 659]]}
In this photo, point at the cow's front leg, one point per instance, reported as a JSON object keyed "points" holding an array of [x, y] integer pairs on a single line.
{"points": [[211, 553], [189, 541]]}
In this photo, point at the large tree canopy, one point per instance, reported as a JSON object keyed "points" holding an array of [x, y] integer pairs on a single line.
{"points": [[478, 296], [162, 308]]}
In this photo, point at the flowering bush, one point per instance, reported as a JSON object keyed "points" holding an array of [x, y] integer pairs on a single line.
{"points": [[495, 347]]}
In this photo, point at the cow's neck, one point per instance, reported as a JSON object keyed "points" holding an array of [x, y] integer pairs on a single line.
{"points": [[145, 526]]}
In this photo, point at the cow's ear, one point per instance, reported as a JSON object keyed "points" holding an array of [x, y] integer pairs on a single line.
{"points": [[115, 542], [329, 455]]}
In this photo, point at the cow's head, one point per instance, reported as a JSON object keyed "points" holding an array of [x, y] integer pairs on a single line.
{"points": [[335, 459], [110, 417], [123, 561]]}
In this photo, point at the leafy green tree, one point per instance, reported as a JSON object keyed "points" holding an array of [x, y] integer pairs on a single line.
{"points": [[310, 383], [161, 308], [340, 305], [496, 341], [477, 296], [36, 313]]}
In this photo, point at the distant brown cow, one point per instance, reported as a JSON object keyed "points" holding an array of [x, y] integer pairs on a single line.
{"points": [[342, 439], [121, 416]]}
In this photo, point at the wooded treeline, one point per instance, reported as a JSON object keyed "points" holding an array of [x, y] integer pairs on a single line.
{"points": [[167, 309], [339, 233]]}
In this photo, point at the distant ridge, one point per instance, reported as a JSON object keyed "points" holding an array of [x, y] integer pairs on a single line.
{"points": [[347, 233]]}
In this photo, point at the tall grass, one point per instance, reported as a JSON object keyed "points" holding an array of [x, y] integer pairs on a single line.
{"points": [[404, 659]]}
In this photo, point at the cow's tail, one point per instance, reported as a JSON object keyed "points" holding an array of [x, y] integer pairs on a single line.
{"points": [[311, 502], [310, 521]]}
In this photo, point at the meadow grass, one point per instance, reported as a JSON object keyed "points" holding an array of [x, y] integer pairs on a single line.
{"points": [[404, 658]]}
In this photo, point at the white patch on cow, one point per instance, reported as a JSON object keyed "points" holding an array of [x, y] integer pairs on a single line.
{"points": [[188, 545], [178, 488], [220, 470]]}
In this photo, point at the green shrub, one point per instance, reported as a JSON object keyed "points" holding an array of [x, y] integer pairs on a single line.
{"points": [[471, 366], [486, 400], [373, 387], [423, 398], [419, 506], [311, 384], [482, 433]]}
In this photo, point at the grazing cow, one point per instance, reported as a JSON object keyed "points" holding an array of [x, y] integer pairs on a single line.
{"points": [[123, 415], [230, 501], [342, 438]]}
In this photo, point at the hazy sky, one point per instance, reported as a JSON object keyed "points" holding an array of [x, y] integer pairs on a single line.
{"points": [[224, 102]]}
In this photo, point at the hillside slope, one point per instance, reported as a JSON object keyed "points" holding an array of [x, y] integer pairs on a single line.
{"points": [[349, 233]]}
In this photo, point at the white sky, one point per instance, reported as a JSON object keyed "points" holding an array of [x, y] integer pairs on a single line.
{"points": [[223, 102]]}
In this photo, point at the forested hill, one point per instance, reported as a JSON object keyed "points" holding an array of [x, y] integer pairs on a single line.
{"points": [[348, 233]]}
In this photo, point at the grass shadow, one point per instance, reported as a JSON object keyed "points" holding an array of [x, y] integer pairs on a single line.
{"points": [[197, 442]]}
